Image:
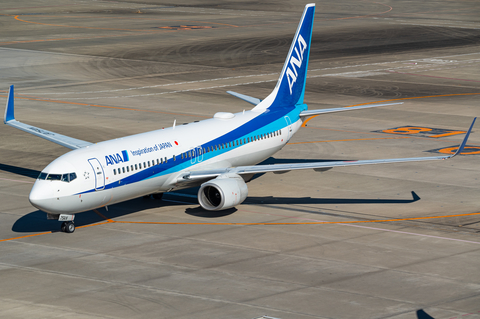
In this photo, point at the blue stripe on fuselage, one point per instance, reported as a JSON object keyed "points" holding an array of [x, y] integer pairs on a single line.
{"points": [[257, 126]]}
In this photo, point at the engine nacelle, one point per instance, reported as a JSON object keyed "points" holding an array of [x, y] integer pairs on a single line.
{"points": [[223, 192]]}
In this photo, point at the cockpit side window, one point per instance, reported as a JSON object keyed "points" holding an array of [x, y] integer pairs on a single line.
{"points": [[71, 176], [42, 176]]}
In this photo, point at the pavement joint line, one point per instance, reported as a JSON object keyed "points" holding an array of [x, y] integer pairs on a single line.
{"points": [[399, 99], [105, 106], [16, 180], [115, 29]]}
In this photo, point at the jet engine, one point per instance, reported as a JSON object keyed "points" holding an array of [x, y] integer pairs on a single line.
{"points": [[223, 192]]}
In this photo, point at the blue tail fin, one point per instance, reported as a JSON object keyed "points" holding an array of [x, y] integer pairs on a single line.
{"points": [[290, 87]]}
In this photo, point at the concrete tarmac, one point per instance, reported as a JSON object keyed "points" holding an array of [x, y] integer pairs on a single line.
{"points": [[385, 241]]}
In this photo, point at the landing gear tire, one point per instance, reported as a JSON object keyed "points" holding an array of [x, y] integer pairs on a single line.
{"points": [[64, 227], [157, 196], [69, 227]]}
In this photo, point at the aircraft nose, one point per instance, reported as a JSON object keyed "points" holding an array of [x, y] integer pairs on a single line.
{"points": [[41, 195]]}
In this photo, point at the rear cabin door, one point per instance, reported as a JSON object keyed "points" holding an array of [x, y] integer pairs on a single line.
{"points": [[289, 127], [99, 174]]}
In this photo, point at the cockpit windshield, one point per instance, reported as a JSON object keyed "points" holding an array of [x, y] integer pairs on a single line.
{"points": [[57, 177], [54, 177]]}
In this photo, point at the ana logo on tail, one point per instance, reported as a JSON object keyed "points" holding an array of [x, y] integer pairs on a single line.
{"points": [[292, 75]]}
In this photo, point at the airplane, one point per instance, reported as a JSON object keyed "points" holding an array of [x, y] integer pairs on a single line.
{"points": [[218, 154]]}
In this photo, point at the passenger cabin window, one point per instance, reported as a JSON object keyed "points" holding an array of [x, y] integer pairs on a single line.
{"points": [[114, 171], [123, 170]]}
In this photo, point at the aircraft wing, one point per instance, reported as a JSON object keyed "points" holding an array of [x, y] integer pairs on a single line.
{"points": [[246, 98], [9, 119], [341, 109], [319, 166]]}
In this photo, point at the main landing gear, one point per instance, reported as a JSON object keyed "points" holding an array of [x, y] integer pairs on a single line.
{"points": [[157, 196], [68, 227]]}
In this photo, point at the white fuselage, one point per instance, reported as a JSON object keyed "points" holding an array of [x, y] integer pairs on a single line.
{"points": [[118, 170]]}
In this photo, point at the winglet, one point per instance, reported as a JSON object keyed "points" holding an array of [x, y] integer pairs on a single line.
{"points": [[9, 109], [462, 146]]}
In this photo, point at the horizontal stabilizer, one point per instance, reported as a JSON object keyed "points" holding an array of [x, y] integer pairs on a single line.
{"points": [[246, 98], [9, 119], [341, 109]]}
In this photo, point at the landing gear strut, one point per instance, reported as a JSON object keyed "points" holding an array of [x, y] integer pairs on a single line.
{"points": [[154, 196], [157, 196], [68, 227]]}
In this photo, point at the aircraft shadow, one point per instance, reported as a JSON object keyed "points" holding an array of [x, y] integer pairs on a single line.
{"points": [[272, 161], [19, 170], [200, 212], [252, 200], [423, 315], [37, 221]]}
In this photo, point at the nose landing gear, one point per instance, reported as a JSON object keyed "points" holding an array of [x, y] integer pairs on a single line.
{"points": [[68, 227]]}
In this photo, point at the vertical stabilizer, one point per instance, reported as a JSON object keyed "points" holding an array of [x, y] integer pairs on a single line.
{"points": [[290, 87]]}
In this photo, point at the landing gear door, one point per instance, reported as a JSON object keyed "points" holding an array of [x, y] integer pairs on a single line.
{"points": [[99, 174]]}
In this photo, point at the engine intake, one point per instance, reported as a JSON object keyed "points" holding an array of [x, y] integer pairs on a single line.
{"points": [[223, 192]]}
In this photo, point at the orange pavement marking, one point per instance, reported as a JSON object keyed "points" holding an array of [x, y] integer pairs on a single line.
{"points": [[101, 215], [110, 221], [26, 236], [302, 223]]}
